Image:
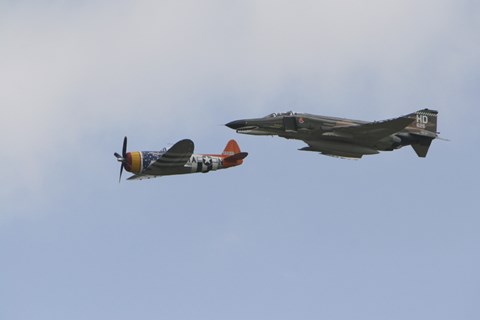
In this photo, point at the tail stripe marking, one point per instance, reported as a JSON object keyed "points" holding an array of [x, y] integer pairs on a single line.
{"points": [[426, 114]]}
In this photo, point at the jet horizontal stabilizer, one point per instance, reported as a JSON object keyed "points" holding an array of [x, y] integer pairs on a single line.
{"points": [[421, 147]]}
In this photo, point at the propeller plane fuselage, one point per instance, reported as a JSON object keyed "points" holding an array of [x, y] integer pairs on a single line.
{"points": [[179, 159]]}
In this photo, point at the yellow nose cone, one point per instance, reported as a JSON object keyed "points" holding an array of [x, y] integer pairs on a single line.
{"points": [[134, 162]]}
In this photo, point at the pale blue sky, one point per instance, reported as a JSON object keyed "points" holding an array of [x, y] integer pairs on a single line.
{"points": [[288, 235]]}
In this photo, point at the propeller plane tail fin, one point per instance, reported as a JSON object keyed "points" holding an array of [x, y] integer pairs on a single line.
{"points": [[234, 156], [231, 148]]}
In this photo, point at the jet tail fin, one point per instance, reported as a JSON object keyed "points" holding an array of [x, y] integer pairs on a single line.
{"points": [[424, 123], [234, 156], [423, 130]]}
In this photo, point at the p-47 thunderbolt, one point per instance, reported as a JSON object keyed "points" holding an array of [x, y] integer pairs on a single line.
{"points": [[179, 159], [347, 138]]}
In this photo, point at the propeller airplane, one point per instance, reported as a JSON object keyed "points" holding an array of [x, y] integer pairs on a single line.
{"points": [[179, 159]]}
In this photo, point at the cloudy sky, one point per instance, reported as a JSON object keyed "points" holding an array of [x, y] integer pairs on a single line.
{"points": [[288, 235]]}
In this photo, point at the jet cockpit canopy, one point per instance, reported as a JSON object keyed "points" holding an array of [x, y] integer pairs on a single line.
{"points": [[274, 115]]}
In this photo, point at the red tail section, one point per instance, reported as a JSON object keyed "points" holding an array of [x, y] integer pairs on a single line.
{"points": [[231, 148], [233, 155]]}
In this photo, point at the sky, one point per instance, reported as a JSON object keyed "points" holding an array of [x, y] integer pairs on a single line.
{"points": [[287, 235]]}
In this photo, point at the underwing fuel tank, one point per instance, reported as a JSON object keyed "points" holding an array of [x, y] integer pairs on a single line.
{"points": [[339, 148]]}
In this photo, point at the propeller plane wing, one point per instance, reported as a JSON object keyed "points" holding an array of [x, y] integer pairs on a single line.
{"points": [[178, 155]]}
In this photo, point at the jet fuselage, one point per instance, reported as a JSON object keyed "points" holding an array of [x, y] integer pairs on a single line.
{"points": [[344, 137]]}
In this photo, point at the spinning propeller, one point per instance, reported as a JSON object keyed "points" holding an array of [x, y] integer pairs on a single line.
{"points": [[122, 158]]}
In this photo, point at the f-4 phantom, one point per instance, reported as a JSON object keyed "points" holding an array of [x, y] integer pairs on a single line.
{"points": [[179, 159], [346, 138]]}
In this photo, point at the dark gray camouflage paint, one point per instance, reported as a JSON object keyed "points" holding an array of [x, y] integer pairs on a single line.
{"points": [[347, 138]]}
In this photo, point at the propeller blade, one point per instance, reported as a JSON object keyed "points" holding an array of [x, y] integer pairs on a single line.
{"points": [[121, 171], [124, 150], [122, 158]]}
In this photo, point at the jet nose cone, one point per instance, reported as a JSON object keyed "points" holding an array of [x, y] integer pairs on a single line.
{"points": [[237, 124]]}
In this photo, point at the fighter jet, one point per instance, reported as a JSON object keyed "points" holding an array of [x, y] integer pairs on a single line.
{"points": [[179, 159], [346, 138]]}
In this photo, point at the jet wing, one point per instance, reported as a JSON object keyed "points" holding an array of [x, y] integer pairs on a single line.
{"points": [[177, 156], [371, 131]]}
